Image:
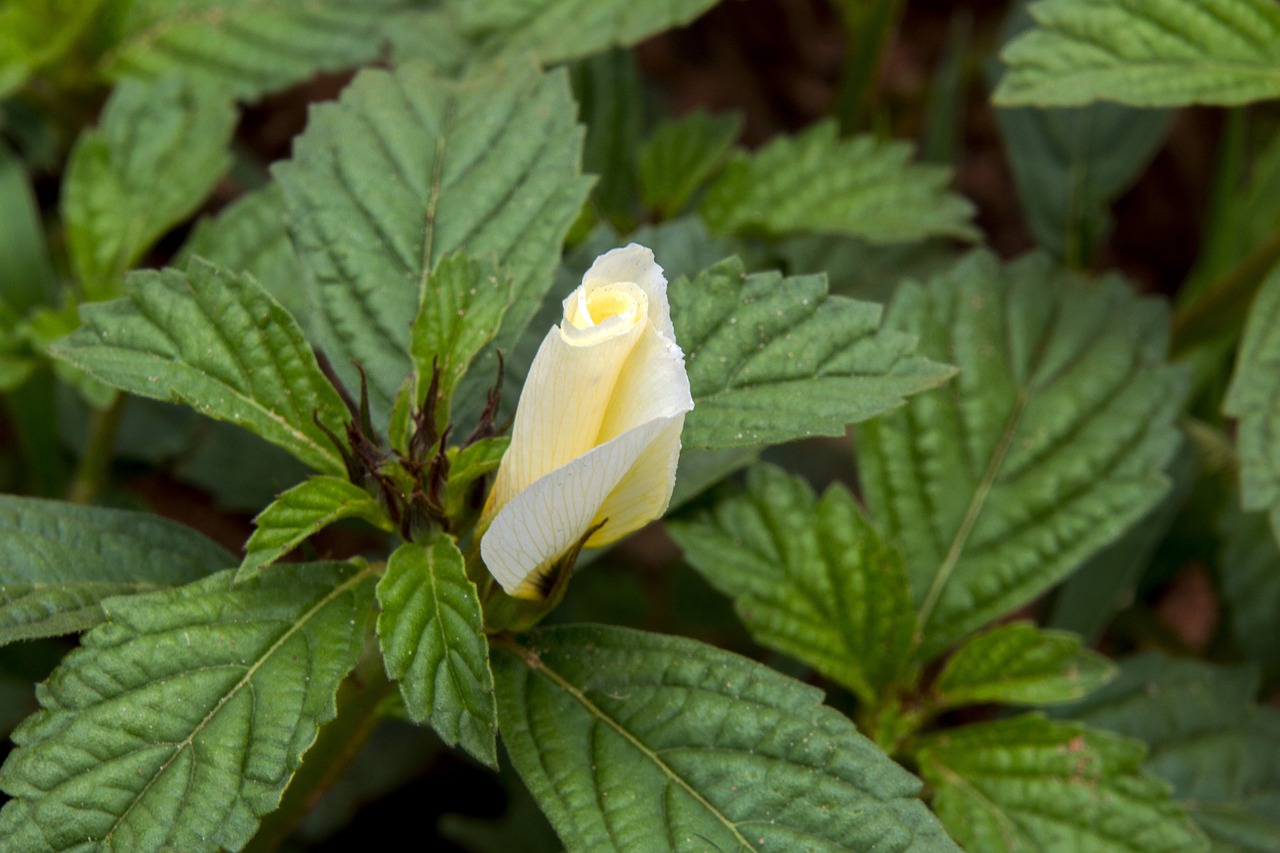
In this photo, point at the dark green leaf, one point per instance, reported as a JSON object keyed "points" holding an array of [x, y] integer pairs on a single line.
{"points": [[466, 466], [611, 105], [1249, 566], [26, 274], [680, 155]]}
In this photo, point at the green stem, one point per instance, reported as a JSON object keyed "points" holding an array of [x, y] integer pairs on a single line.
{"points": [[868, 24], [1223, 304], [95, 466]]}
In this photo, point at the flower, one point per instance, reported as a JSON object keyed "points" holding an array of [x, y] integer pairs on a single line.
{"points": [[596, 435]]}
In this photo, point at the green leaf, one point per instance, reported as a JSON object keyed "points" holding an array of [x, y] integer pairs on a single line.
{"points": [[433, 641], [634, 741], [815, 181], [1207, 738], [1027, 783], [461, 312], [466, 466], [159, 149], [36, 35], [1146, 53], [406, 168], [1019, 664], [27, 278], [1254, 398], [611, 104], [301, 512], [556, 30], [1249, 569], [680, 155], [58, 561], [809, 577], [772, 360], [179, 722], [249, 235], [1048, 446], [248, 48], [219, 343]]}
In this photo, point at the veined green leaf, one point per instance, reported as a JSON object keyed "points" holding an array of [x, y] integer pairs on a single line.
{"points": [[634, 741], [1254, 398], [1207, 738], [58, 561], [611, 104], [809, 577], [160, 148], [433, 641], [406, 168], [304, 510], [1249, 568], [1050, 443], [815, 181], [1019, 664], [180, 721], [466, 466], [1027, 783], [680, 155], [772, 360], [556, 30], [1146, 53], [247, 47], [219, 343]]}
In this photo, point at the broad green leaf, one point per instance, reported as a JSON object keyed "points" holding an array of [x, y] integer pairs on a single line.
{"points": [[860, 269], [810, 577], [1249, 570], [26, 273], [39, 33], [301, 512], [1254, 398], [249, 235], [248, 48], [1206, 737], [433, 641], [556, 30], [816, 182], [406, 168], [1146, 53], [611, 104], [159, 149], [680, 155], [58, 561], [219, 343], [772, 360], [1019, 664], [1027, 783], [462, 309], [1048, 446], [699, 470], [635, 741], [178, 723]]}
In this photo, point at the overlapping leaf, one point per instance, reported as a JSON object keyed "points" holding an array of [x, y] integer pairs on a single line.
{"points": [[633, 741], [59, 561], [680, 155], [772, 360], [816, 182], [161, 147], [1027, 783], [1146, 53], [1049, 444], [433, 641], [36, 35], [810, 577], [1249, 568], [178, 723], [218, 342], [406, 168]]}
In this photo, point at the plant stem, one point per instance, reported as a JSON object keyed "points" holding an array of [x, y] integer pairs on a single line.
{"points": [[95, 465], [868, 26]]}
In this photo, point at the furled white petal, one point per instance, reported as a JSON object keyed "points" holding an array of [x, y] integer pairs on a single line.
{"points": [[635, 263]]}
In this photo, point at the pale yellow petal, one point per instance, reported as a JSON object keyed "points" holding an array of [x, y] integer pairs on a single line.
{"points": [[652, 383], [635, 263], [643, 494]]}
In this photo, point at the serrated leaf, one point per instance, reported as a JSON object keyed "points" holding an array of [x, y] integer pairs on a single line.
{"points": [[58, 561], [816, 182], [490, 166], [1249, 569], [158, 151], [219, 343], [540, 27], [301, 512], [248, 48], [178, 723], [1146, 53], [611, 104], [433, 641], [810, 577], [1254, 398], [1027, 783], [772, 360], [1049, 445], [1019, 664], [634, 741], [1206, 737], [680, 155], [462, 309]]}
